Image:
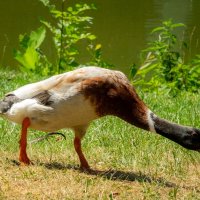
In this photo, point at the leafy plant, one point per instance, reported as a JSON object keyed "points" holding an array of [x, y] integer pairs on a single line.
{"points": [[28, 56], [164, 65], [96, 56], [69, 30]]}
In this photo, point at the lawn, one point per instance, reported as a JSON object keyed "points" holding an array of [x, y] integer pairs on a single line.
{"points": [[128, 163]]}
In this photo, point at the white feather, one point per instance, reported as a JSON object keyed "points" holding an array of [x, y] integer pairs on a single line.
{"points": [[26, 108], [150, 121]]}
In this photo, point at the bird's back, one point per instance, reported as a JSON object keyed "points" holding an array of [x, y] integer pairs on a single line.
{"points": [[62, 82]]}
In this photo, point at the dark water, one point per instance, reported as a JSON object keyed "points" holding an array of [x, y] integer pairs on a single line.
{"points": [[122, 27]]}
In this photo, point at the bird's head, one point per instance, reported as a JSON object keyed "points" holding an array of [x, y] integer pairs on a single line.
{"points": [[192, 139]]}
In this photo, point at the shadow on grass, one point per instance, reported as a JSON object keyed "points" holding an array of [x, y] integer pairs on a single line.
{"points": [[115, 175]]}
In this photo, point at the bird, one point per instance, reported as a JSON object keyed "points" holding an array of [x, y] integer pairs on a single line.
{"points": [[74, 99]]}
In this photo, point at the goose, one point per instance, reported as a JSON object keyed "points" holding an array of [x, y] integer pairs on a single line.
{"points": [[74, 99]]}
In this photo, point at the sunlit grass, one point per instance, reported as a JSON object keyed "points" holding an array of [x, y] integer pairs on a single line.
{"points": [[135, 164]]}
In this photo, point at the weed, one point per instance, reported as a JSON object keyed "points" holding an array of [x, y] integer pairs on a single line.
{"points": [[71, 28], [164, 65]]}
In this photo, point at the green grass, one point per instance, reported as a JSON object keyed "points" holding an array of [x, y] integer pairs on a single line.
{"points": [[134, 164]]}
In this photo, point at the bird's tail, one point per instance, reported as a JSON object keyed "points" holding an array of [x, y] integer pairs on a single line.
{"points": [[187, 137]]}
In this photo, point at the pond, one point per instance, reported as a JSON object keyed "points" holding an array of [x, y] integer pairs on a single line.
{"points": [[122, 27]]}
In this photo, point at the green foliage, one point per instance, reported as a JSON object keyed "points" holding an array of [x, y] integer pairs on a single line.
{"points": [[96, 56], [69, 30], [28, 56], [164, 65]]}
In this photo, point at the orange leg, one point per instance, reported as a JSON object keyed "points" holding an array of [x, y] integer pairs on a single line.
{"points": [[77, 146], [23, 142]]}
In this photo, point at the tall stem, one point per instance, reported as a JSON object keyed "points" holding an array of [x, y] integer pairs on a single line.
{"points": [[61, 36]]}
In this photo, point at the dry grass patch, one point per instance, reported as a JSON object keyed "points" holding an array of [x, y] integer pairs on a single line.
{"points": [[59, 180]]}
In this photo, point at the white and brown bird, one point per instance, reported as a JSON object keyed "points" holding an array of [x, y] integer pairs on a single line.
{"points": [[74, 99]]}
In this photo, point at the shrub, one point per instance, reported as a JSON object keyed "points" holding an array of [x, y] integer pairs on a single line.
{"points": [[71, 26], [164, 66]]}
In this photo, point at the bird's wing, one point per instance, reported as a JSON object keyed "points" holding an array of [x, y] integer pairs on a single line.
{"points": [[60, 84], [38, 89], [43, 97]]}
